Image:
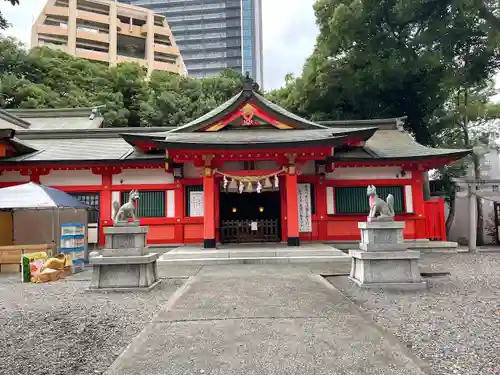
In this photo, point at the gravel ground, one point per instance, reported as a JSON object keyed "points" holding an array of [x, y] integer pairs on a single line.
{"points": [[58, 328], [455, 324]]}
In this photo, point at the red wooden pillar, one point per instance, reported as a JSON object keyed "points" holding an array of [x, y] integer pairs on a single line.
{"points": [[179, 212], [419, 206], [321, 204], [208, 209], [105, 218], [292, 208]]}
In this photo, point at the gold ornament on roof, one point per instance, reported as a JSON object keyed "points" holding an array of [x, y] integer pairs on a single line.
{"points": [[247, 112]]}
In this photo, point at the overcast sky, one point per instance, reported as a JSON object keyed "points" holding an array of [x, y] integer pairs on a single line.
{"points": [[289, 33]]}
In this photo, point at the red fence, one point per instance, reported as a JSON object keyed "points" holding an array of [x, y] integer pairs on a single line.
{"points": [[435, 224]]}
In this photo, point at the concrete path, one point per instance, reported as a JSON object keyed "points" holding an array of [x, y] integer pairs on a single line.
{"points": [[262, 319]]}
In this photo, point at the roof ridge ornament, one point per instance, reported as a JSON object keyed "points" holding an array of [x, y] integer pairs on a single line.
{"points": [[249, 84]]}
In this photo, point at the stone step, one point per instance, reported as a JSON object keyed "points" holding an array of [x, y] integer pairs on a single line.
{"points": [[255, 260], [253, 253]]}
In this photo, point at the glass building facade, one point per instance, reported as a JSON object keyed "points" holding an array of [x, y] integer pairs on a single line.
{"points": [[214, 35]]}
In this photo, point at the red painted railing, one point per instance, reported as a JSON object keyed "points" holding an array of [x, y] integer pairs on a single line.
{"points": [[435, 222]]}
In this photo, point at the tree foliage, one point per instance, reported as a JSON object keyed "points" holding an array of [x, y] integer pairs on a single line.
{"points": [[3, 22], [468, 120], [388, 58], [47, 78]]}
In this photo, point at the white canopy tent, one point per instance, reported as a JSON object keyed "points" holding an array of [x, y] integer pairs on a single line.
{"points": [[37, 212]]}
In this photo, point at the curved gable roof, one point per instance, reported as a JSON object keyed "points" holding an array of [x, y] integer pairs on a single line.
{"points": [[248, 94]]}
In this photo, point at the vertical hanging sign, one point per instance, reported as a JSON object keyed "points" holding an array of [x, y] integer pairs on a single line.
{"points": [[305, 209], [196, 204]]}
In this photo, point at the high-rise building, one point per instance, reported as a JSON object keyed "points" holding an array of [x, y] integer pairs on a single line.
{"points": [[108, 31], [215, 34]]}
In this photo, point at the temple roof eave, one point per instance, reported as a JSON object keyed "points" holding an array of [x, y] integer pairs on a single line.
{"points": [[249, 140], [440, 154]]}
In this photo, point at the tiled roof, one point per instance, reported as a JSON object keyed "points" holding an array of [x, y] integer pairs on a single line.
{"points": [[285, 113], [394, 144], [399, 144], [60, 119], [249, 138], [10, 121], [207, 116], [75, 149], [92, 145]]}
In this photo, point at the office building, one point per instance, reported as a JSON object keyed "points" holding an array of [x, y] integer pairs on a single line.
{"points": [[215, 34], [110, 32]]}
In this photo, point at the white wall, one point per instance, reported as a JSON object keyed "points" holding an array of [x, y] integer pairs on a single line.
{"points": [[367, 173], [13, 176], [71, 178], [143, 176]]}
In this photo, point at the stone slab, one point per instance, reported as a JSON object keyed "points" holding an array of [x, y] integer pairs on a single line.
{"points": [[124, 252], [392, 286], [100, 260], [381, 225], [266, 323], [383, 247], [126, 229], [125, 289], [123, 276], [384, 255], [126, 223], [220, 293]]}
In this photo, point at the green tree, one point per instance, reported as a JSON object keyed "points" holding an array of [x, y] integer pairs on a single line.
{"points": [[388, 58], [47, 78], [468, 120], [3, 22]]}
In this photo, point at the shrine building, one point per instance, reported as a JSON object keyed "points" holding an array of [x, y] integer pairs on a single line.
{"points": [[247, 171]]}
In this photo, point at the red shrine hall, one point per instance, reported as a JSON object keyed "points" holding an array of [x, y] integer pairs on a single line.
{"points": [[248, 171]]}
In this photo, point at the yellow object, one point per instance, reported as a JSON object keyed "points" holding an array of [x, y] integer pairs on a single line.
{"points": [[57, 263], [39, 255]]}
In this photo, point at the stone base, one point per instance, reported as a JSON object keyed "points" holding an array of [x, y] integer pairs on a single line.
{"points": [[124, 290], [126, 236], [382, 235], [124, 273], [392, 286], [386, 269]]}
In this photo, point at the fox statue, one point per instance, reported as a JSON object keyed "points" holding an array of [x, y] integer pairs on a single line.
{"points": [[127, 210], [379, 207]]}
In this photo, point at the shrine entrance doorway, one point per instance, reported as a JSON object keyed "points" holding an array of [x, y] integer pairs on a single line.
{"points": [[250, 217]]}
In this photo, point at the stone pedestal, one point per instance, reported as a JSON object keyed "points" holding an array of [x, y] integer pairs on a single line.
{"points": [[383, 260], [126, 263]]}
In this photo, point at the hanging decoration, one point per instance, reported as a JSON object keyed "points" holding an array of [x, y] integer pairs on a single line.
{"points": [[246, 183], [233, 185], [259, 187]]}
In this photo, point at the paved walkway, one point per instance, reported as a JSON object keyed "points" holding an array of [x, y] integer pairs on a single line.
{"points": [[259, 319]]}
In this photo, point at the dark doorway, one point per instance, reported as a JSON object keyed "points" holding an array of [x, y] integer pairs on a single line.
{"points": [[250, 217]]}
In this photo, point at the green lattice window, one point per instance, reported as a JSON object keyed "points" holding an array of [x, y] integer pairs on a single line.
{"points": [[189, 189], [151, 203], [353, 200]]}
